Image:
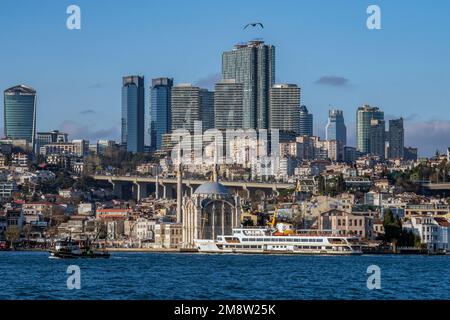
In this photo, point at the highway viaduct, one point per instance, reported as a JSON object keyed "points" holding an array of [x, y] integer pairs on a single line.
{"points": [[140, 187]]}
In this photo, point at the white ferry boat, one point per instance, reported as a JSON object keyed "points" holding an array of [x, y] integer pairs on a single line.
{"points": [[253, 240]]}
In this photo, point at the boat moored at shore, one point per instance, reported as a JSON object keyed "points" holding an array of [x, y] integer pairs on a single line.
{"points": [[72, 249], [254, 240]]}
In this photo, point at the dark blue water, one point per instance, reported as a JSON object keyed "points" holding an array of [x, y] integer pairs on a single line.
{"points": [[31, 275]]}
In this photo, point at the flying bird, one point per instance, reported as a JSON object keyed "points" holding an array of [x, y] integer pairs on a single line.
{"points": [[254, 24]]}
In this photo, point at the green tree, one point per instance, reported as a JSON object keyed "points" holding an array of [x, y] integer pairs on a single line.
{"points": [[321, 185], [12, 235], [27, 232], [340, 184], [392, 226]]}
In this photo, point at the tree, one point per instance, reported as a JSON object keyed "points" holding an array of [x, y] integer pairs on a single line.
{"points": [[340, 184], [321, 185], [26, 232], [392, 226], [12, 235]]}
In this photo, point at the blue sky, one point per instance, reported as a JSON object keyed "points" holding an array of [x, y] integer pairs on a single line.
{"points": [[403, 68]]}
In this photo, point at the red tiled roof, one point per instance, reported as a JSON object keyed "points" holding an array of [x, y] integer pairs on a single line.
{"points": [[112, 210], [442, 222]]}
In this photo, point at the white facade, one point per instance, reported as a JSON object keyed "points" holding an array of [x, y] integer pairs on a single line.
{"points": [[434, 232]]}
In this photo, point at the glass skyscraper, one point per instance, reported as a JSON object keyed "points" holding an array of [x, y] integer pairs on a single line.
{"points": [[396, 139], [20, 113], [190, 104], [364, 116], [306, 122], [336, 129], [133, 113], [228, 100], [285, 107], [160, 116], [253, 65], [377, 138]]}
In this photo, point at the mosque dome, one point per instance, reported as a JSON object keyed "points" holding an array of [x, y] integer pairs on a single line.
{"points": [[212, 188]]}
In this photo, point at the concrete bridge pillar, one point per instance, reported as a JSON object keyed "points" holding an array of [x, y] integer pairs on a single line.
{"points": [[141, 190], [244, 187], [275, 190], [117, 188], [157, 188], [164, 191], [191, 189]]}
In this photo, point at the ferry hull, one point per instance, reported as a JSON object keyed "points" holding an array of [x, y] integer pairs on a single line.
{"points": [[211, 246]]}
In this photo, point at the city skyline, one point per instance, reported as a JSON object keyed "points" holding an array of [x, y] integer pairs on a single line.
{"points": [[340, 80]]}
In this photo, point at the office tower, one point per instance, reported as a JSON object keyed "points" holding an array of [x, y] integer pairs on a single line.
{"points": [[411, 154], [364, 116], [133, 113], [190, 104], [285, 107], [20, 113], [377, 137], [103, 145], [44, 138], [396, 139], [306, 122], [253, 65], [160, 116], [336, 129], [228, 103], [207, 109]]}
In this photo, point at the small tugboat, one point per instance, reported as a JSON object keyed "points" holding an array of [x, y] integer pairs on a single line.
{"points": [[72, 249]]}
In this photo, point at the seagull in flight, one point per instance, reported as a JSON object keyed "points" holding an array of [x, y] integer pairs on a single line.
{"points": [[254, 24]]}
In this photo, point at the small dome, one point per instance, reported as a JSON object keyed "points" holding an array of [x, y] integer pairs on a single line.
{"points": [[212, 188]]}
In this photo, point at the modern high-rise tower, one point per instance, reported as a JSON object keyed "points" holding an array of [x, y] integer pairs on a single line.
{"points": [[133, 113], [228, 100], [285, 107], [336, 129], [190, 104], [253, 65], [396, 139], [306, 122], [377, 138], [160, 116], [364, 116], [207, 108], [20, 113]]}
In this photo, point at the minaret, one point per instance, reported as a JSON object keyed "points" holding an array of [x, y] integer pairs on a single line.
{"points": [[179, 185], [215, 174]]}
